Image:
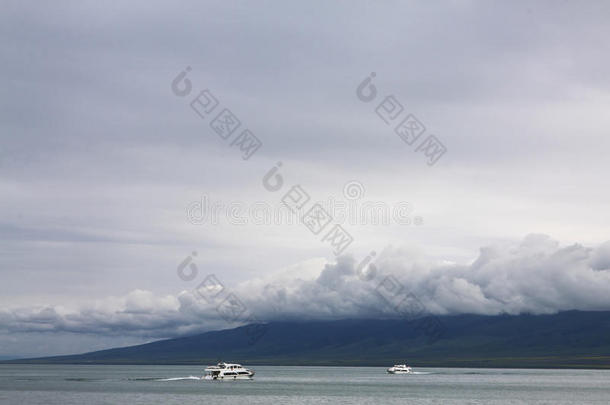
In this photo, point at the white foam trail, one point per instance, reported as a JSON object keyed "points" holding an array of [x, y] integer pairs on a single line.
{"points": [[192, 377], [422, 372]]}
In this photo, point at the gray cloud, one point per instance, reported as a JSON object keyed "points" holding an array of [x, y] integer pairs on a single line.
{"points": [[536, 276], [99, 160]]}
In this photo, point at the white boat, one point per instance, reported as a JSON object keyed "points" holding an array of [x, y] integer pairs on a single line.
{"points": [[228, 371], [400, 369]]}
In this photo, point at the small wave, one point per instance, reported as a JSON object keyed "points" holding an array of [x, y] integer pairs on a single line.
{"points": [[422, 372]]}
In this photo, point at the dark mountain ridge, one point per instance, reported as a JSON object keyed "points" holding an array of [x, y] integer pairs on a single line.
{"points": [[573, 339]]}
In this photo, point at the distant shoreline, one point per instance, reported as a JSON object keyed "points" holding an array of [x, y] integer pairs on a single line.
{"points": [[3, 363], [473, 365]]}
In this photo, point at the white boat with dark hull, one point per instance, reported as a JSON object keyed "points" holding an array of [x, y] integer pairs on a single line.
{"points": [[228, 371], [400, 369]]}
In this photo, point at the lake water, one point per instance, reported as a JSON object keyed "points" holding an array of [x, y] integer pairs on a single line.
{"points": [[95, 384]]}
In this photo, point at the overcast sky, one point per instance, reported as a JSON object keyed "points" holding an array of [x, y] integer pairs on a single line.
{"points": [[102, 165]]}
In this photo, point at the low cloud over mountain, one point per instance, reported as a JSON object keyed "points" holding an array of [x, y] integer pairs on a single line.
{"points": [[535, 276]]}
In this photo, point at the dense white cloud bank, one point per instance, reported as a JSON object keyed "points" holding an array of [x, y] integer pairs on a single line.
{"points": [[535, 276]]}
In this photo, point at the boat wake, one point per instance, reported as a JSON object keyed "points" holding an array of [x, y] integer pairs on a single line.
{"points": [[421, 372], [192, 377]]}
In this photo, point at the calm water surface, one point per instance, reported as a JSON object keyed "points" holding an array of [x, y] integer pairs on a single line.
{"points": [[76, 384]]}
